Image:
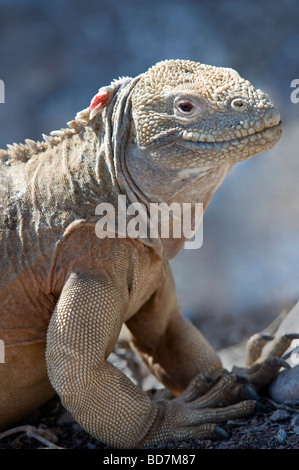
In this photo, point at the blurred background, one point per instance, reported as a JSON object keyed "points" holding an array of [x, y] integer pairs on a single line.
{"points": [[54, 55]]}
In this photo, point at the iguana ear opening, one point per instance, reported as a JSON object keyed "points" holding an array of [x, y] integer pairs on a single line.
{"points": [[98, 101]]}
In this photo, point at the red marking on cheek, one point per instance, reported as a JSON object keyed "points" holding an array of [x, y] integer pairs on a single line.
{"points": [[99, 100]]}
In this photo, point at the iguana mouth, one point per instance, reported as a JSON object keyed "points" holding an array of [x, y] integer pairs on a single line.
{"points": [[193, 139], [266, 134]]}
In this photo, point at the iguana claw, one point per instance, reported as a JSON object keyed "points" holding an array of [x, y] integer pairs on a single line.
{"points": [[262, 368], [278, 361], [221, 433]]}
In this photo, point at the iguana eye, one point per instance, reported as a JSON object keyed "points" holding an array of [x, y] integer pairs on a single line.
{"points": [[186, 107]]}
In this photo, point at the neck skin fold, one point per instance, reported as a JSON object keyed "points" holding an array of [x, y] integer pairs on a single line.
{"points": [[159, 184]]}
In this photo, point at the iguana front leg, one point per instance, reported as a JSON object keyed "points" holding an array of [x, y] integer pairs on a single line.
{"points": [[83, 330]]}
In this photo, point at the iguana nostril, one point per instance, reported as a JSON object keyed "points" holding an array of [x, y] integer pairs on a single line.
{"points": [[272, 117]]}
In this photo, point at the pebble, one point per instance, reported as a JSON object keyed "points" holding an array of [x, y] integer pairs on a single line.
{"points": [[89, 445], [295, 421], [65, 418], [281, 436], [286, 386], [279, 415], [76, 427]]}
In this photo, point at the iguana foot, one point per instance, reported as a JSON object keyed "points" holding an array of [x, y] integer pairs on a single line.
{"points": [[262, 368], [198, 411]]}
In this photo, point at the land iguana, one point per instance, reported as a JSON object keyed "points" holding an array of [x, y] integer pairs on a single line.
{"points": [[169, 135]]}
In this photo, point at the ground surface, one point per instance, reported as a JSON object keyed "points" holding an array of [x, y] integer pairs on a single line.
{"points": [[276, 428]]}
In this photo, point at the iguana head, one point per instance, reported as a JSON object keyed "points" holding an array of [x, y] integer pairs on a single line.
{"points": [[186, 117], [176, 131], [189, 114]]}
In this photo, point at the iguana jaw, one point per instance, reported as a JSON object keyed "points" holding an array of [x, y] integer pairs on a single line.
{"points": [[215, 138], [268, 134], [195, 152], [231, 150]]}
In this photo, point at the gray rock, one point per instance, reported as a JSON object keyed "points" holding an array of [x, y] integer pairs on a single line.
{"points": [[295, 421], [89, 445], [65, 418], [280, 415], [296, 430], [286, 386], [281, 436]]}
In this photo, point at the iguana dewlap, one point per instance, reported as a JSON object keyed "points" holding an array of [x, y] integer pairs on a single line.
{"points": [[168, 135]]}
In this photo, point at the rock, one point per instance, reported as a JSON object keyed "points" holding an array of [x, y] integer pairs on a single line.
{"points": [[296, 430], [281, 436], [279, 415], [76, 427], [295, 421], [65, 418], [90, 445], [286, 386]]}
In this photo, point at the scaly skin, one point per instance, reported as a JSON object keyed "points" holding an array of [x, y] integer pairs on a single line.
{"points": [[170, 135]]}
